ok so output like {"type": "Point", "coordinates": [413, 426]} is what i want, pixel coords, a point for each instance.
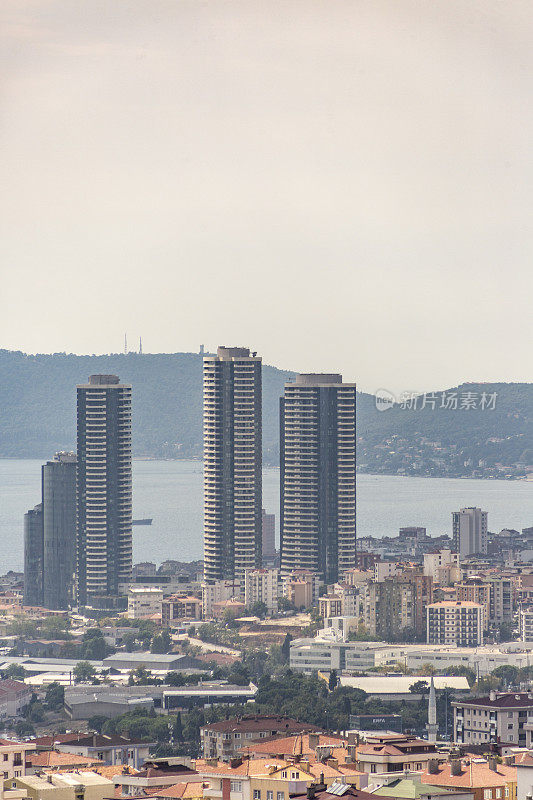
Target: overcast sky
{"type": "Point", "coordinates": [342, 186]}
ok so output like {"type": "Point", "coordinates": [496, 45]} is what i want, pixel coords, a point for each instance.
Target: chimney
{"type": "Point", "coordinates": [456, 767]}
{"type": "Point", "coordinates": [311, 789]}
{"type": "Point", "coordinates": [493, 764]}
{"type": "Point", "coordinates": [492, 695]}
{"type": "Point", "coordinates": [314, 739]}
{"type": "Point", "coordinates": [433, 766]}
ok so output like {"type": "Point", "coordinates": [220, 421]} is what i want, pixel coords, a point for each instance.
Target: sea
{"type": "Point", "coordinates": [170, 492]}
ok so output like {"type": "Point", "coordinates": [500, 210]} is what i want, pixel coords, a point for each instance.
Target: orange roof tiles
{"type": "Point", "coordinates": [474, 774]}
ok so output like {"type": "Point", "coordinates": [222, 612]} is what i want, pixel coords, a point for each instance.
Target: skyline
{"type": "Point", "coordinates": [359, 175]}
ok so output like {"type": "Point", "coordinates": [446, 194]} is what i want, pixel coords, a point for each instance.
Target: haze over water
{"type": "Point", "coordinates": [171, 493]}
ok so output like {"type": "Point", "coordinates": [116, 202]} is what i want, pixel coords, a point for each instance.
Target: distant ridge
{"type": "Point", "coordinates": [38, 416]}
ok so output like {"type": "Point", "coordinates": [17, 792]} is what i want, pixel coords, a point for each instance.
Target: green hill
{"type": "Point", "coordinates": [38, 416]}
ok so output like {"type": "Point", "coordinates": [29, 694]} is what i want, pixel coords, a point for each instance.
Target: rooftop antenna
{"type": "Point", "coordinates": [125, 344]}
{"type": "Point", "coordinates": [140, 346]}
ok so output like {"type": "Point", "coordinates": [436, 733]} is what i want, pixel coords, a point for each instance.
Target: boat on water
{"type": "Point", "coordinates": [147, 521]}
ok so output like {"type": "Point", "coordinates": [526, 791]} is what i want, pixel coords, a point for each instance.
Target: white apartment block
{"type": "Point", "coordinates": [525, 624]}
{"type": "Point", "coordinates": [145, 602]}
{"type": "Point", "coordinates": [262, 586]}
{"type": "Point", "coordinates": [455, 623]}
{"type": "Point", "coordinates": [385, 569]}
{"type": "Point", "coordinates": [219, 592]}
{"type": "Point", "coordinates": [440, 567]}
{"type": "Point", "coordinates": [501, 717]}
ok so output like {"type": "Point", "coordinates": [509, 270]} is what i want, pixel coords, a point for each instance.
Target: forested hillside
{"type": "Point", "coordinates": [38, 416]}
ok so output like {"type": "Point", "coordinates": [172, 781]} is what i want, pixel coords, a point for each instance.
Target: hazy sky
{"type": "Point", "coordinates": [342, 186]}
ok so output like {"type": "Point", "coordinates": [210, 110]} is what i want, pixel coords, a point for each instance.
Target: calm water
{"type": "Point", "coordinates": [171, 493]}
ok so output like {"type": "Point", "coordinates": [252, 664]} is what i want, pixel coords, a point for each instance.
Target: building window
{"type": "Point", "coordinates": [236, 786]}
{"type": "Point", "coordinates": [237, 736]}
{"type": "Point", "coordinates": [280, 796]}
{"type": "Point", "coordinates": [284, 773]}
{"type": "Point", "coordinates": [295, 776]}
{"type": "Point", "coordinates": [487, 794]}
{"type": "Point", "coordinates": [257, 794]}
{"type": "Point", "coordinates": [17, 759]}
{"type": "Point", "coordinates": [270, 795]}
{"type": "Point", "coordinates": [498, 792]}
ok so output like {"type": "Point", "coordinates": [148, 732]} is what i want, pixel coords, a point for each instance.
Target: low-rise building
{"type": "Point", "coordinates": [225, 739]}
{"type": "Point", "coordinates": [485, 778]}
{"type": "Point", "coordinates": [108, 749]}
{"type": "Point", "coordinates": [14, 696]}
{"type": "Point", "coordinates": [180, 608]}
{"type": "Point", "coordinates": [395, 752]}
{"type": "Point", "coordinates": [75, 785]}
{"type": "Point", "coordinates": [455, 622]}
{"type": "Point", "coordinates": [13, 757]}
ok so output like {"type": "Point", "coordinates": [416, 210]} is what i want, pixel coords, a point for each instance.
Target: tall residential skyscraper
{"type": "Point", "coordinates": [104, 540]}
{"type": "Point", "coordinates": [59, 530]}
{"type": "Point", "coordinates": [33, 556]}
{"type": "Point", "coordinates": [317, 476]}
{"type": "Point", "coordinates": [232, 463]}
{"type": "Point", "coordinates": [469, 531]}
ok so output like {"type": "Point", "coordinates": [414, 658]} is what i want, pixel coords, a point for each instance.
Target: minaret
{"type": "Point", "coordinates": [432, 727]}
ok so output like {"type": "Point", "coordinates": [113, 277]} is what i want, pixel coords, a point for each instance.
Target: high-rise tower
{"type": "Point", "coordinates": [59, 530]}
{"type": "Point", "coordinates": [317, 475]}
{"type": "Point", "coordinates": [33, 556]}
{"type": "Point", "coordinates": [104, 540]}
{"type": "Point", "coordinates": [469, 531]}
{"type": "Point", "coordinates": [232, 463]}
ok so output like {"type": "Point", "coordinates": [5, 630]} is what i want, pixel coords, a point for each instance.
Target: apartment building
{"type": "Point", "coordinates": [180, 608]}
{"type": "Point", "coordinates": [224, 740]}
{"type": "Point", "coordinates": [262, 586]}
{"type": "Point", "coordinates": [500, 717]}
{"type": "Point", "coordinates": [442, 567]}
{"type": "Point", "coordinates": [13, 757]}
{"type": "Point", "coordinates": [395, 752]}
{"type": "Point", "coordinates": [455, 623]}
{"type": "Point", "coordinates": [144, 602]}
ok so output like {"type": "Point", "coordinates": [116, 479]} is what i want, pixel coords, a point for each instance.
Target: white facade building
{"type": "Point", "coordinates": [219, 592]}
{"type": "Point", "coordinates": [455, 622]}
{"type": "Point", "coordinates": [145, 602]}
{"type": "Point", "coordinates": [262, 586]}
{"type": "Point", "coordinates": [439, 566]}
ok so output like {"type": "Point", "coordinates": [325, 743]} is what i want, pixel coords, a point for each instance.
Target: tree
{"type": "Point", "coordinates": [333, 680]}
{"type": "Point", "coordinates": [83, 672]}
{"type": "Point", "coordinates": [419, 687]}
{"type": "Point", "coordinates": [55, 696]}
{"type": "Point", "coordinates": [507, 673]}
{"type": "Point", "coordinates": [97, 722]}
{"type": "Point", "coordinates": [24, 728]}
{"type": "Point", "coordinates": [15, 671]}
{"type": "Point", "coordinates": [130, 642]}
{"type": "Point", "coordinates": [94, 646]}
{"type": "Point", "coordinates": [259, 609]}
{"type": "Point", "coordinates": [162, 642]}
{"type": "Point", "coordinates": [284, 604]}
{"type": "Point", "coordinates": [286, 648]}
